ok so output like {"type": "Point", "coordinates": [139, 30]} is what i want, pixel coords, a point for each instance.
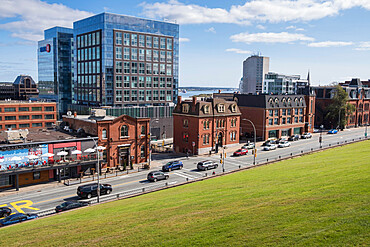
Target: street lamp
{"type": "Point", "coordinates": [254, 148]}
{"type": "Point", "coordinates": [320, 139]}
{"type": "Point", "coordinates": [150, 140]}
{"type": "Point", "coordinates": [98, 149]}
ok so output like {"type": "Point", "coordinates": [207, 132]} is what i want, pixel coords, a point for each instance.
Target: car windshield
{"type": "Point", "coordinates": [169, 163]}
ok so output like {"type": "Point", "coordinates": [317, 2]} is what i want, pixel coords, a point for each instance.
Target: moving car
{"type": "Point", "coordinates": [269, 147]}
{"type": "Point", "coordinates": [5, 211]}
{"type": "Point", "coordinates": [206, 165]}
{"type": "Point", "coordinates": [154, 176]}
{"type": "Point", "coordinates": [69, 205]}
{"type": "Point", "coordinates": [306, 136]}
{"type": "Point", "coordinates": [332, 131]}
{"type": "Point", "coordinates": [248, 146]}
{"type": "Point", "coordinates": [269, 142]}
{"type": "Point", "coordinates": [293, 138]}
{"type": "Point", "coordinates": [90, 190]}
{"type": "Point", "coordinates": [284, 144]}
{"type": "Point", "coordinates": [240, 152]}
{"type": "Point", "coordinates": [172, 166]}
{"type": "Point", "coordinates": [15, 218]}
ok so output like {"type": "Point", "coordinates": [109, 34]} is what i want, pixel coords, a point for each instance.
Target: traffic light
{"type": "Point", "coordinates": [225, 155]}
{"type": "Point", "coordinates": [221, 161]}
{"type": "Point", "coordinates": [220, 156]}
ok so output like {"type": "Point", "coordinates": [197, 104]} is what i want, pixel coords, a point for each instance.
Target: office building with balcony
{"type": "Point", "coordinates": [55, 65]}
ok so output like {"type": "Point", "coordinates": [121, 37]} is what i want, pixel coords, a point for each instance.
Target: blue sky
{"type": "Point", "coordinates": [330, 38]}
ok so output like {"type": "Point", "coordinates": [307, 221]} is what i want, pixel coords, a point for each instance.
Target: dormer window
{"type": "Point", "coordinates": [233, 108]}
{"type": "Point", "coordinates": [185, 108]}
{"type": "Point", "coordinates": [221, 108]}
{"type": "Point", "coordinates": [206, 109]}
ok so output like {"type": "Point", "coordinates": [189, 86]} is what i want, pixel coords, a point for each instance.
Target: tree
{"type": "Point", "coordinates": [338, 111]}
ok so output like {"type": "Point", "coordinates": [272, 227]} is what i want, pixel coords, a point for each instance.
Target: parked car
{"type": "Point", "coordinates": [15, 218]}
{"type": "Point", "coordinates": [293, 138]}
{"type": "Point", "coordinates": [240, 152]}
{"type": "Point", "coordinates": [70, 205]}
{"type": "Point", "coordinates": [173, 165]}
{"type": "Point", "coordinates": [248, 146]}
{"type": "Point", "coordinates": [154, 176]}
{"type": "Point", "coordinates": [5, 211]}
{"type": "Point", "coordinates": [206, 165]}
{"type": "Point", "coordinates": [269, 142]}
{"type": "Point", "coordinates": [332, 131]}
{"type": "Point", "coordinates": [306, 136]}
{"type": "Point", "coordinates": [284, 144]}
{"type": "Point", "coordinates": [269, 147]}
{"type": "Point", "coordinates": [90, 190]}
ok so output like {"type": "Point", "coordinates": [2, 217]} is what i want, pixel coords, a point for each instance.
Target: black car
{"type": "Point", "coordinates": [172, 166]}
{"type": "Point", "coordinates": [89, 190]}
{"type": "Point", "coordinates": [293, 138]}
{"type": "Point", "coordinates": [268, 142]}
{"type": "Point", "coordinates": [69, 205]}
{"type": "Point", "coordinates": [154, 176]}
{"type": "Point", "coordinates": [16, 218]}
{"type": "Point", "coordinates": [206, 165]}
{"type": "Point", "coordinates": [4, 211]}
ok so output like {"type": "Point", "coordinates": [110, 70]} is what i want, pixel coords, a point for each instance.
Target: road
{"type": "Point", "coordinates": [32, 202]}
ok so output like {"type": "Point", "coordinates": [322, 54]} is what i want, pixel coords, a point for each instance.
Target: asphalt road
{"type": "Point", "coordinates": [32, 202]}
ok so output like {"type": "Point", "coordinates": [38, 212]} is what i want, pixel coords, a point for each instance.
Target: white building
{"type": "Point", "coordinates": [254, 70]}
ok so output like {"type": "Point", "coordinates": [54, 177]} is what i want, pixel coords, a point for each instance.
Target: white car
{"type": "Point", "coordinates": [269, 147]}
{"type": "Point", "coordinates": [284, 144]}
{"type": "Point", "coordinates": [248, 146]}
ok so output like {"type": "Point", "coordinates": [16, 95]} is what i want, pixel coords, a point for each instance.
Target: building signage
{"type": "Point", "coordinates": [7, 160]}
{"type": "Point", "coordinates": [45, 48]}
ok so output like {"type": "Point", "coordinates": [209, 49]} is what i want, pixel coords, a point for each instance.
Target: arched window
{"type": "Point", "coordinates": [124, 131]}
{"type": "Point", "coordinates": [142, 151]}
{"type": "Point", "coordinates": [207, 124]}
{"type": "Point", "coordinates": [143, 130]}
{"type": "Point", "coordinates": [104, 134]}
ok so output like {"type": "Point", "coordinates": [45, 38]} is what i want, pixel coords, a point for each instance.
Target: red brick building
{"type": "Point", "coordinates": [204, 125]}
{"type": "Point", "coordinates": [359, 96]}
{"type": "Point", "coordinates": [126, 138]}
{"type": "Point", "coordinates": [24, 114]}
{"type": "Point", "coordinates": [274, 116]}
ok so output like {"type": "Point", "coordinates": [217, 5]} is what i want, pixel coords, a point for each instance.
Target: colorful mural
{"type": "Point", "coordinates": [18, 158]}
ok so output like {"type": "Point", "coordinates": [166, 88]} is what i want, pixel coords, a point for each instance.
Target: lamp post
{"type": "Point", "coordinates": [320, 139]}
{"type": "Point", "coordinates": [339, 118]}
{"type": "Point", "coordinates": [367, 122]}
{"type": "Point", "coordinates": [150, 140]}
{"type": "Point", "coordinates": [254, 148]}
{"type": "Point", "coordinates": [98, 149]}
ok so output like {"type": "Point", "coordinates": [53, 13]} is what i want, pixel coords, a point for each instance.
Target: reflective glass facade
{"type": "Point", "coordinates": [101, 81]}
{"type": "Point", "coordinates": [55, 63]}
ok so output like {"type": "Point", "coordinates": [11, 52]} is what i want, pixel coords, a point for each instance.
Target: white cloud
{"type": "Point", "coordinates": [363, 46]}
{"type": "Point", "coordinates": [330, 44]}
{"type": "Point", "coordinates": [254, 10]}
{"type": "Point", "coordinates": [29, 18]}
{"type": "Point", "coordinates": [211, 30]}
{"type": "Point", "coordinates": [291, 27]}
{"type": "Point", "coordinates": [182, 40]}
{"type": "Point", "coordinates": [282, 37]}
{"type": "Point", "coordinates": [300, 29]}
{"type": "Point", "coordinates": [238, 51]}
{"type": "Point", "coordinates": [261, 27]}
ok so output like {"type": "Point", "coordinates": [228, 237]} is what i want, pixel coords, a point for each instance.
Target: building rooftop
{"type": "Point", "coordinates": [89, 118]}
{"type": "Point", "coordinates": [7, 102]}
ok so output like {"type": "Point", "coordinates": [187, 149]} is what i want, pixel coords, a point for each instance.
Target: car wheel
{"type": "Point", "coordinates": [180, 167]}
{"type": "Point", "coordinates": [88, 196]}
{"type": "Point", "coordinates": [216, 166]}
{"type": "Point", "coordinates": [155, 180]}
{"type": "Point", "coordinates": [169, 169]}
{"type": "Point", "coordinates": [166, 177]}
{"type": "Point", "coordinates": [108, 192]}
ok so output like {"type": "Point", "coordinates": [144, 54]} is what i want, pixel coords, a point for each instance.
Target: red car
{"type": "Point", "coordinates": [240, 152]}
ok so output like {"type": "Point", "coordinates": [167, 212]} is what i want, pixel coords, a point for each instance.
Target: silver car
{"type": "Point", "coordinates": [284, 144]}
{"type": "Point", "coordinates": [269, 147]}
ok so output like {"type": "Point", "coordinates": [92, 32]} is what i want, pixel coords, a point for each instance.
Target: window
{"type": "Point", "coordinates": [206, 109]}
{"type": "Point", "coordinates": [118, 38]}
{"type": "Point", "coordinates": [143, 130]}
{"type": "Point", "coordinates": [141, 68]}
{"type": "Point", "coordinates": [119, 67]}
{"type": "Point", "coordinates": [276, 113]}
{"type": "Point", "coordinates": [296, 119]}
{"type": "Point", "coordinates": [289, 112]}
{"type": "Point", "coordinates": [118, 52]}
{"type": "Point", "coordinates": [141, 95]}
{"type": "Point", "coordinates": [155, 42]}
{"type": "Point", "coordinates": [148, 41]}
{"type": "Point", "coordinates": [271, 113]}
{"type": "Point", "coordinates": [155, 56]}
{"type": "Point", "coordinates": [221, 108]}
{"type": "Point", "coordinates": [283, 120]}
{"type": "Point", "coordinates": [270, 121]}
{"type": "Point", "coordinates": [23, 117]}
{"type": "Point", "coordinates": [162, 82]}
{"type": "Point", "coordinates": [10, 109]}
{"type": "Point", "coordinates": [155, 95]}
{"type": "Point", "coordinates": [185, 108]}
{"type": "Point", "coordinates": [36, 116]}
{"type": "Point", "coordinates": [296, 111]}
{"type": "Point", "coordinates": [162, 58]}
{"type": "Point", "coordinates": [142, 151]}
{"type": "Point", "coordinates": [141, 41]}
{"type": "Point", "coordinates": [36, 108]}
{"type": "Point", "coordinates": [119, 95]}
{"type": "Point", "coordinates": [148, 81]}
{"type": "Point", "coordinates": [185, 123]}
{"type": "Point", "coordinates": [134, 68]}
{"type": "Point", "coordinates": [149, 68]}
{"type": "Point", "coordinates": [155, 69]}
{"type": "Point", "coordinates": [169, 82]}
{"type": "Point", "coordinates": [301, 111]}
{"type": "Point", "coordinates": [163, 43]}
{"type": "Point", "coordinates": [24, 125]}
{"type": "Point", "coordinates": [148, 95]}
{"type": "Point", "coordinates": [289, 120]}
{"type": "Point", "coordinates": [141, 81]}
{"type": "Point", "coordinates": [10, 126]}
{"type": "Point", "coordinates": [118, 81]}
{"type": "Point", "coordinates": [126, 53]}
{"type": "Point", "coordinates": [169, 69]}
{"type": "Point", "coordinates": [126, 95]}
{"type": "Point", "coordinates": [126, 67]}
{"type": "Point", "coordinates": [301, 119]}
{"type": "Point", "coordinates": [205, 139]}
{"type": "Point", "coordinates": [49, 116]}
{"type": "Point", "coordinates": [134, 39]}
{"type": "Point", "coordinates": [155, 81]}
{"type": "Point", "coordinates": [124, 131]}
{"type": "Point", "coordinates": [25, 108]}
{"type": "Point", "coordinates": [134, 81]}
{"type": "Point", "coordinates": [141, 54]}
{"type": "Point", "coordinates": [133, 53]}
{"type": "Point", "coordinates": [148, 55]}
{"type": "Point", "coordinates": [134, 95]}
{"type": "Point", "coordinates": [169, 44]}
{"type": "Point", "coordinates": [9, 118]}
{"type": "Point", "coordinates": [36, 124]}
{"type": "Point", "coordinates": [284, 112]}
{"type": "Point", "coordinates": [169, 57]}
{"type": "Point", "coordinates": [233, 108]}
{"type": "Point", "coordinates": [104, 134]}
{"type": "Point", "coordinates": [233, 136]}
{"type": "Point", "coordinates": [126, 40]}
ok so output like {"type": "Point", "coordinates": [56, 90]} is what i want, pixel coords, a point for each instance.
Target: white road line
{"type": "Point", "coordinates": [193, 171]}
{"type": "Point", "coordinates": [184, 175]}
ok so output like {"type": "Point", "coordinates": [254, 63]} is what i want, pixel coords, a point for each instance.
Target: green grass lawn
{"type": "Point", "coordinates": [319, 199]}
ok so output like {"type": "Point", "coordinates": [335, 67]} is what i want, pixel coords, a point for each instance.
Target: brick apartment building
{"type": "Point", "coordinates": [204, 125]}
{"type": "Point", "coordinates": [126, 139]}
{"type": "Point", "coordinates": [274, 116]}
{"type": "Point", "coordinates": [359, 96]}
{"type": "Point", "coordinates": [25, 114]}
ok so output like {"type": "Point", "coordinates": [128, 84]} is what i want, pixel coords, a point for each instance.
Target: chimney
{"type": "Point", "coordinates": [179, 99]}
{"type": "Point", "coordinates": [219, 91]}
{"type": "Point", "coordinates": [194, 100]}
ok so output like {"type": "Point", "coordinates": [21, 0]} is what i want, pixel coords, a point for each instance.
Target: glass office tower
{"type": "Point", "coordinates": [55, 63]}
{"type": "Point", "coordinates": [125, 61]}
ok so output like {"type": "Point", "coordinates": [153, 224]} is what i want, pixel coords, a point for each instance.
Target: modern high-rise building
{"type": "Point", "coordinates": [275, 83]}
{"type": "Point", "coordinates": [254, 70]}
{"type": "Point", "coordinates": [125, 61]}
{"type": "Point", "coordinates": [55, 65]}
